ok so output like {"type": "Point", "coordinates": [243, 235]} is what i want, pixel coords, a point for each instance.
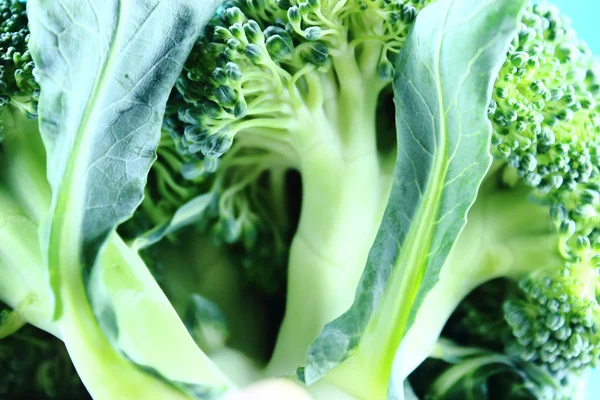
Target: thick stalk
{"type": "Point", "coordinates": [506, 236]}
{"type": "Point", "coordinates": [24, 201]}
{"type": "Point", "coordinates": [23, 274]}
{"type": "Point", "coordinates": [491, 246]}
{"type": "Point", "coordinates": [328, 254]}
{"type": "Point", "coordinates": [345, 190]}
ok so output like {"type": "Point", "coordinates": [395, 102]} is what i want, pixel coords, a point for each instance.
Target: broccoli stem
{"type": "Point", "coordinates": [23, 202]}
{"type": "Point", "coordinates": [345, 190]}
{"type": "Point", "coordinates": [23, 275]}
{"type": "Point", "coordinates": [503, 239]}
{"type": "Point", "coordinates": [327, 255]}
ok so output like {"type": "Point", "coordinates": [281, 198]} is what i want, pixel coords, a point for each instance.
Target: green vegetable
{"type": "Point", "coordinates": [379, 199]}
{"type": "Point", "coordinates": [84, 307]}
{"type": "Point", "coordinates": [428, 204]}
{"type": "Point", "coordinates": [17, 84]}
{"type": "Point", "coordinates": [550, 251]}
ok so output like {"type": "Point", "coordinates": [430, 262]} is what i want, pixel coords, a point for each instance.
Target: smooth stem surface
{"type": "Point", "coordinates": [506, 236]}
{"type": "Point", "coordinates": [503, 238]}
{"type": "Point", "coordinates": [23, 274]}
{"type": "Point", "coordinates": [345, 190]}
{"type": "Point", "coordinates": [24, 200]}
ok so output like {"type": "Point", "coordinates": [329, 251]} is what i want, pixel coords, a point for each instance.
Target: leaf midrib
{"type": "Point", "coordinates": [421, 238]}
{"type": "Point", "coordinates": [67, 206]}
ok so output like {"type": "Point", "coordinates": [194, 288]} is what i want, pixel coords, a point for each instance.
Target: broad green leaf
{"type": "Point", "coordinates": [443, 82]}
{"type": "Point", "coordinates": [106, 68]}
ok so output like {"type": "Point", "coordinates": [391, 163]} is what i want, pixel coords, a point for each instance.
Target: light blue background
{"type": "Point", "coordinates": [586, 20]}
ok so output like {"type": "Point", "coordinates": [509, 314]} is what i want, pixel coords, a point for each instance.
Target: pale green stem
{"type": "Point", "coordinates": [503, 238]}
{"type": "Point", "coordinates": [344, 195]}
{"type": "Point", "coordinates": [150, 332]}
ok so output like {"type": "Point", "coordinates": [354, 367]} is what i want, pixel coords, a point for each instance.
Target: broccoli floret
{"type": "Point", "coordinates": [535, 221]}
{"type": "Point", "coordinates": [254, 71]}
{"type": "Point", "coordinates": [556, 320]}
{"type": "Point", "coordinates": [242, 206]}
{"type": "Point", "coordinates": [17, 84]}
{"type": "Point", "coordinates": [466, 371]}
{"type": "Point", "coordinates": [549, 89]}
{"type": "Point", "coordinates": [544, 107]}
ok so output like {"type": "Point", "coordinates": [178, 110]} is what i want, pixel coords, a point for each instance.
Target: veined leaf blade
{"type": "Point", "coordinates": [443, 84]}
{"type": "Point", "coordinates": [106, 68]}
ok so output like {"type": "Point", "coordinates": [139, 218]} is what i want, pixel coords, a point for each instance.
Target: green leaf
{"type": "Point", "coordinates": [105, 71]}
{"type": "Point", "coordinates": [106, 68]}
{"type": "Point", "coordinates": [187, 214]}
{"type": "Point", "coordinates": [443, 84]}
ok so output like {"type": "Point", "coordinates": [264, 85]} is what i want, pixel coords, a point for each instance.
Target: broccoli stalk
{"type": "Point", "coordinates": [507, 236]}
{"type": "Point", "coordinates": [339, 218]}
{"type": "Point", "coordinates": [308, 92]}
{"type": "Point", "coordinates": [23, 202]}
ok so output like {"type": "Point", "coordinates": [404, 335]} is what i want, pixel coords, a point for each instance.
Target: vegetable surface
{"type": "Point", "coordinates": [377, 199]}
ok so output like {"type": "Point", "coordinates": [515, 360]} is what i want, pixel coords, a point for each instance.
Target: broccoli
{"type": "Point", "coordinates": [17, 84]}
{"type": "Point", "coordinates": [535, 220]}
{"type": "Point", "coordinates": [300, 83]}
{"type": "Point", "coordinates": [279, 86]}
{"type": "Point", "coordinates": [280, 144]}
